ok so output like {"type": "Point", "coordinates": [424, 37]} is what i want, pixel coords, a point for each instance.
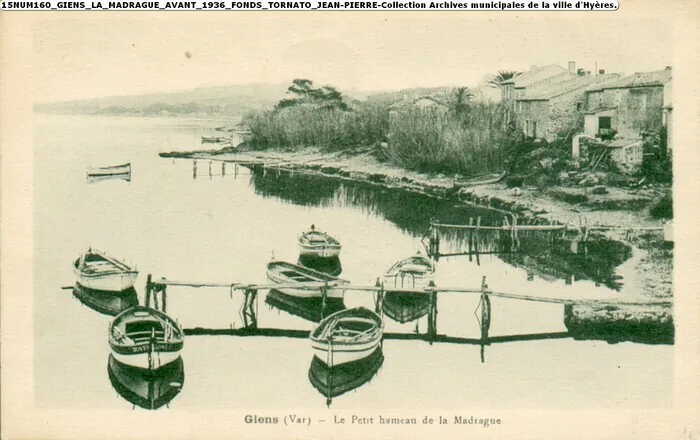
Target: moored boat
{"type": "Point", "coordinates": [281, 272]}
{"type": "Point", "coordinates": [119, 171]}
{"type": "Point", "coordinates": [318, 244]}
{"type": "Point", "coordinates": [334, 381]}
{"type": "Point", "coordinates": [145, 338]}
{"type": "Point", "coordinates": [214, 139]}
{"type": "Point", "coordinates": [106, 302]}
{"type": "Point", "coordinates": [147, 389]}
{"type": "Point", "coordinates": [414, 272]}
{"type": "Point", "coordinates": [347, 336]}
{"type": "Point", "coordinates": [98, 271]}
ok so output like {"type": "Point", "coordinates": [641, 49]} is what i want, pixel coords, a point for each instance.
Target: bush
{"type": "Point", "coordinates": [663, 208]}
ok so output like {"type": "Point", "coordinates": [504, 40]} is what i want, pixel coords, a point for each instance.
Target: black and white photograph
{"type": "Point", "coordinates": [339, 224]}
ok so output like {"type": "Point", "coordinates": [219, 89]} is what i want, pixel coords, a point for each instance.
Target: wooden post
{"type": "Point", "coordinates": [210, 169]}
{"type": "Point", "coordinates": [235, 170]}
{"type": "Point", "coordinates": [149, 286]}
{"type": "Point", "coordinates": [194, 169]}
{"type": "Point", "coordinates": [223, 168]}
{"type": "Point", "coordinates": [485, 316]}
{"type": "Point", "coordinates": [165, 298]}
{"type": "Point", "coordinates": [379, 303]}
{"type": "Point", "coordinates": [324, 295]}
{"type": "Point", "coordinates": [432, 315]}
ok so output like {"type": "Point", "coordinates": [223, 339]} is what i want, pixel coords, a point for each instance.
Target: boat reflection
{"type": "Point", "coordinates": [147, 389]}
{"type": "Point", "coordinates": [405, 307]}
{"type": "Point", "coordinates": [311, 309]}
{"type": "Point", "coordinates": [106, 302]}
{"type": "Point", "coordinates": [328, 265]}
{"type": "Point", "coordinates": [335, 381]}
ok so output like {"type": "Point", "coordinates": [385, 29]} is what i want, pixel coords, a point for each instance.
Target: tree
{"type": "Point", "coordinates": [302, 92]}
{"type": "Point", "coordinates": [501, 76]}
{"type": "Point", "coordinates": [301, 88]}
{"type": "Point", "coordinates": [461, 98]}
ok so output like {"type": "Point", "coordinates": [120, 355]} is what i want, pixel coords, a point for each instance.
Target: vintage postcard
{"type": "Point", "coordinates": [343, 224]}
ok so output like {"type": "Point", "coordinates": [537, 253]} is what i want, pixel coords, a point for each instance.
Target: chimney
{"type": "Point", "coordinates": [601, 72]}
{"type": "Point", "coordinates": [580, 72]}
{"type": "Point", "coordinates": [572, 66]}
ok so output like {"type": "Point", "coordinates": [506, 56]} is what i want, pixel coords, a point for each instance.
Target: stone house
{"type": "Point", "coordinates": [629, 106]}
{"type": "Point", "coordinates": [537, 76]}
{"type": "Point", "coordinates": [548, 110]}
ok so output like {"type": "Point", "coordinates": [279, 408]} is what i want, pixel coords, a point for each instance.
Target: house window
{"type": "Point", "coordinates": [579, 106]}
{"type": "Point", "coordinates": [605, 122]}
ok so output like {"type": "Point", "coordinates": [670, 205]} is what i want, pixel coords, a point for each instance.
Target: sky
{"type": "Point", "coordinates": [86, 55]}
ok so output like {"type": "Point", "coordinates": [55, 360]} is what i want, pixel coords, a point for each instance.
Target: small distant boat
{"type": "Point", "coordinates": [114, 171]}
{"type": "Point", "coordinates": [414, 272]}
{"type": "Point", "coordinates": [347, 336]}
{"type": "Point", "coordinates": [319, 244]}
{"type": "Point", "coordinates": [145, 338]}
{"type": "Point", "coordinates": [214, 139]}
{"type": "Point", "coordinates": [147, 389]}
{"type": "Point", "coordinates": [405, 307]}
{"type": "Point", "coordinates": [106, 302]}
{"type": "Point", "coordinates": [281, 272]}
{"type": "Point", "coordinates": [483, 179]}
{"type": "Point", "coordinates": [334, 381]}
{"type": "Point", "coordinates": [98, 271]}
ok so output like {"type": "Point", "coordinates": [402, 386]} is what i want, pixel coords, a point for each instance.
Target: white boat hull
{"type": "Point", "coordinates": [407, 281]}
{"type": "Point", "coordinates": [312, 293]}
{"type": "Point", "coordinates": [320, 251]}
{"type": "Point", "coordinates": [115, 282]}
{"type": "Point", "coordinates": [140, 360]}
{"type": "Point", "coordinates": [344, 353]}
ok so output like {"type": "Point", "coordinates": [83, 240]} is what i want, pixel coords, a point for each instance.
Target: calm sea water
{"type": "Point", "coordinates": [227, 228]}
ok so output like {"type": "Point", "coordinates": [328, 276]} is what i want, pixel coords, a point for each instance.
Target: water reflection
{"type": "Point", "coordinates": [311, 309]}
{"type": "Point", "coordinates": [105, 302]}
{"type": "Point", "coordinates": [551, 255]}
{"type": "Point", "coordinates": [101, 178]}
{"type": "Point", "coordinates": [149, 389]}
{"type": "Point", "coordinates": [329, 265]}
{"type": "Point", "coordinates": [334, 381]}
{"type": "Point", "coordinates": [406, 307]}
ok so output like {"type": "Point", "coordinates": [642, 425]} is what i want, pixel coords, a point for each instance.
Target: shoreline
{"type": "Point", "coordinates": [652, 269]}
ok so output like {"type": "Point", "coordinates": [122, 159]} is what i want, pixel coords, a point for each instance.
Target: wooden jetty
{"type": "Point", "coordinates": [250, 291]}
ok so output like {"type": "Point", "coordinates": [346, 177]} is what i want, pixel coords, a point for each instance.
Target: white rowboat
{"type": "Point", "coordinates": [319, 244]}
{"type": "Point", "coordinates": [347, 336]}
{"type": "Point", "coordinates": [414, 272]}
{"type": "Point", "coordinates": [98, 271]}
{"type": "Point", "coordinates": [281, 272]}
{"type": "Point", "coordinates": [145, 338]}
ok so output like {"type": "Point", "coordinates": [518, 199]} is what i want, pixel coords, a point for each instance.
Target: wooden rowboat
{"type": "Point", "coordinates": [115, 171]}
{"type": "Point", "coordinates": [281, 272]}
{"type": "Point", "coordinates": [147, 389]}
{"type": "Point", "coordinates": [347, 336]}
{"type": "Point", "coordinates": [145, 338]}
{"type": "Point", "coordinates": [414, 272]}
{"type": "Point", "coordinates": [318, 244]}
{"type": "Point", "coordinates": [98, 271]}
{"type": "Point", "coordinates": [214, 139]}
{"type": "Point", "coordinates": [483, 179]}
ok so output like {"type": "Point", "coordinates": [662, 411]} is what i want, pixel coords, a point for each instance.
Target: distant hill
{"type": "Point", "coordinates": [216, 100]}
{"type": "Point", "coordinates": [231, 100]}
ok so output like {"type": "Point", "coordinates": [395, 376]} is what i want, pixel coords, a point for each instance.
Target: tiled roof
{"type": "Point", "coordinates": [549, 91]}
{"type": "Point", "coordinates": [640, 79]}
{"type": "Point", "coordinates": [537, 74]}
{"type": "Point", "coordinates": [409, 102]}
